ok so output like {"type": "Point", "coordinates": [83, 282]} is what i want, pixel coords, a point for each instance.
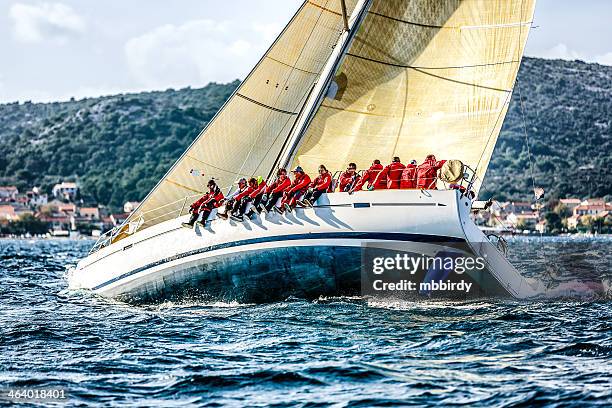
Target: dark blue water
{"type": "Point", "coordinates": [343, 351]}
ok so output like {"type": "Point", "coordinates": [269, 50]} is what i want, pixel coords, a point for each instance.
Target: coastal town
{"type": "Point", "coordinates": [65, 212]}
{"type": "Point", "coordinates": [61, 212]}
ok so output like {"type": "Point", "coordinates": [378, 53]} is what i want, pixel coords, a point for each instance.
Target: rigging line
{"type": "Point", "coordinates": [518, 84]}
{"type": "Point", "coordinates": [507, 101]}
{"type": "Point", "coordinates": [314, 27]}
{"type": "Point", "coordinates": [405, 108]}
{"type": "Point", "coordinates": [422, 71]}
{"type": "Point", "coordinates": [499, 115]}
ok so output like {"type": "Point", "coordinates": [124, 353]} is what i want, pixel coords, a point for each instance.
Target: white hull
{"type": "Point", "coordinates": [310, 252]}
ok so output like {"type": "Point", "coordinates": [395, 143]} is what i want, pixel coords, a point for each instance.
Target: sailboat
{"type": "Point", "coordinates": [345, 81]}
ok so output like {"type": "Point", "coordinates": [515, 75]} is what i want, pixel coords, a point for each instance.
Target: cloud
{"type": "Point", "coordinates": [561, 51]}
{"type": "Point", "coordinates": [197, 52]}
{"type": "Point", "coordinates": [604, 59]}
{"type": "Point", "coordinates": [55, 22]}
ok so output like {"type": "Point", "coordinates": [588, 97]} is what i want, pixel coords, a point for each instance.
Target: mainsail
{"type": "Point", "coordinates": [421, 76]}
{"type": "Point", "coordinates": [246, 136]}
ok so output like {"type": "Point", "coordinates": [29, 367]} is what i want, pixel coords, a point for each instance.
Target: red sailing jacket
{"type": "Point", "coordinates": [261, 188]}
{"type": "Point", "coordinates": [299, 184]}
{"type": "Point", "coordinates": [370, 176]}
{"type": "Point", "coordinates": [393, 172]}
{"type": "Point", "coordinates": [427, 173]}
{"type": "Point", "coordinates": [346, 179]}
{"type": "Point", "coordinates": [409, 177]}
{"type": "Point", "coordinates": [208, 197]}
{"type": "Point", "coordinates": [322, 182]}
{"type": "Point", "coordinates": [247, 191]}
{"type": "Point", "coordinates": [279, 186]}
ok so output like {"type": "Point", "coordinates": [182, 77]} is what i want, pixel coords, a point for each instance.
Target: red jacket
{"type": "Point", "coordinates": [299, 184]}
{"type": "Point", "coordinates": [346, 180]}
{"type": "Point", "coordinates": [427, 173]}
{"type": "Point", "coordinates": [279, 186]}
{"type": "Point", "coordinates": [322, 182]}
{"type": "Point", "coordinates": [370, 177]}
{"type": "Point", "coordinates": [261, 188]}
{"type": "Point", "coordinates": [247, 191]}
{"type": "Point", "coordinates": [409, 177]}
{"type": "Point", "coordinates": [216, 194]}
{"type": "Point", "coordinates": [393, 172]}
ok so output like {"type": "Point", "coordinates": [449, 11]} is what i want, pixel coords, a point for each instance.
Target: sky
{"type": "Point", "coordinates": [55, 50]}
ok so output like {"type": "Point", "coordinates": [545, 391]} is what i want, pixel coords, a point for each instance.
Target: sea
{"type": "Point", "coordinates": [555, 350]}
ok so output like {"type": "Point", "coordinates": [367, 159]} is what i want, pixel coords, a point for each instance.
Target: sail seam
{"type": "Point", "coordinates": [421, 70]}
{"type": "Point", "coordinates": [487, 26]}
{"type": "Point", "coordinates": [356, 111]}
{"type": "Point", "coordinates": [183, 186]}
{"type": "Point", "coordinates": [324, 8]}
{"type": "Point", "coordinates": [291, 66]}
{"type": "Point", "coordinates": [489, 64]}
{"type": "Point", "coordinates": [266, 106]}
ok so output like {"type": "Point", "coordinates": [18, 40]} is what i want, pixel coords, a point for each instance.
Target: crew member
{"type": "Point", "coordinates": [298, 187]}
{"type": "Point", "coordinates": [275, 190]}
{"type": "Point", "coordinates": [409, 176]}
{"type": "Point", "coordinates": [204, 206]}
{"type": "Point", "coordinates": [257, 196]}
{"type": "Point", "coordinates": [348, 178]}
{"type": "Point", "coordinates": [427, 173]}
{"type": "Point", "coordinates": [369, 176]}
{"type": "Point", "coordinates": [231, 204]}
{"type": "Point", "coordinates": [243, 199]}
{"type": "Point", "coordinates": [393, 172]}
{"type": "Point", "coordinates": [318, 186]}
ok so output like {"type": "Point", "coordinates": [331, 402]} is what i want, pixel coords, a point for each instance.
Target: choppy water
{"type": "Point", "coordinates": [342, 351]}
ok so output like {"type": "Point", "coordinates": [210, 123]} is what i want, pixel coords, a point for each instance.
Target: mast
{"type": "Point", "coordinates": [320, 88]}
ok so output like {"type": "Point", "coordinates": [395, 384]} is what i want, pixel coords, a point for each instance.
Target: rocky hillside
{"type": "Point", "coordinates": [119, 146]}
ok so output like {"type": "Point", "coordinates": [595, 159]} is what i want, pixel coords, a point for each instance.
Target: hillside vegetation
{"type": "Point", "coordinates": [117, 147]}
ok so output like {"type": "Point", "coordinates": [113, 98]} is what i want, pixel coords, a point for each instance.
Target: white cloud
{"type": "Point", "coordinates": [604, 59]}
{"type": "Point", "coordinates": [197, 52]}
{"type": "Point", "coordinates": [56, 22]}
{"type": "Point", "coordinates": [561, 51]}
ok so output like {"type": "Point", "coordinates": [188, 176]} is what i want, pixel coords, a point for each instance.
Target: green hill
{"type": "Point", "coordinates": [119, 146]}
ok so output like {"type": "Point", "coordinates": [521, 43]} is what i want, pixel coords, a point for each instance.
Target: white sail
{"type": "Point", "coordinates": [246, 136]}
{"type": "Point", "coordinates": [421, 77]}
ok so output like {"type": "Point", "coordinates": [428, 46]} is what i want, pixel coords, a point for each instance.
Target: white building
{"type": "Point", "coordinates": [8, 193]}
{"type": "Point", "coordinates": [130, 206]}
{"type": "Point", "coordinates": [65, 190]}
